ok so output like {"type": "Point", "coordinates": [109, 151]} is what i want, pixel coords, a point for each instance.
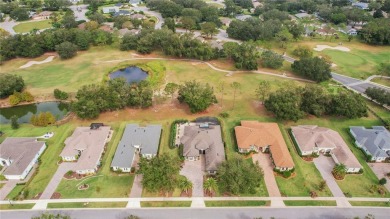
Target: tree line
{"type": "Point", "coordinates": [294, 103]}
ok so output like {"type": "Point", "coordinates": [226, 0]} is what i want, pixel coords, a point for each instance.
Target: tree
{"type": "Point", "coordinates": [382, 181]}
{"type": "Point", "coordinates": [91, 25]}
{"type": "Point", "coordinates": [51, 216]}
{"type": "Point", "coordinates": [275, 14]}
{"type": "Point", "coordinates": [188, 23]}
{"type": "Point", "coordinates": [55, 5]}
{"type": "Point", "coordinates": [339, 171]}
{"type": "Point", "coordinates": [296, 30]}
{"type": "Point", "coordinates": [303, 52]}
{"type": "Point", "coordinates": [376, 31]}
{"type": "Point", "coordinates": [236, 86]}
{"type": "Point", "coordinates": [98, 17]}
{"type": "Point", "coordinates": [231, 9]}
{"type": "Point", "coordinates": [315, 100]}
{"type": "Point", "coordinates": [271, 59]}
{"type": "Point", "coordinates": [347, 104]}
{"type": "Point", "coordinates": [60, 95]}
{"type": "Point", "coordinates": [238, 176]}
{"type": "Point", "coordinates": [263, 90]}
{"type": "Point", "coordinates": [315, 69]}
{"type": "Point", "coordinates": [159, 173]}
{"type": "Point", "coordinates": [378, 94]}
{"type": "Point", "coordinates": [209, 28]}
{"type": "Point", "coordinates": [245, 56]}
{"type": "Point", "coordinates": [4, 34]}
{"type": "Point", "coordinates": [69, 20]}
{"type": "Point", "coordinates": [120, 20]}
{"type": "Point", "coordinates": [285, 104]}
{"type": "Point", "coordinates": [171, 88]}
{"type": "Point", "coordinates": [378, 13]}
{"type": "Point", "coordinates": [14, 122]}
{"type": "Point", "coordinates": [384, 68]}
{"type": "Point", "coordinates": [9, 84]}
{"type": "Point", "coordinates": [198, 96]}
{"type": "Point", "coordinates": [129, 42]}
{"type": "Point", "coordinates": [184, 185]}
{"type": "Point", "coordinates": [19, 14]}
{"type": "Point", "coordinates": [66, 50]}
{"type": "Point", "coordinates": [170, 24]}
{"type": "Point", "coordinates": [210, 185]}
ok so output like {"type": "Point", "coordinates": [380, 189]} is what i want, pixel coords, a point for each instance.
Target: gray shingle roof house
{"type": "Point", "coordinates": [375, 141]}
{"type": "Point", "coordinates": [19, 155]}
{"type": "Point", "coordinates": [203, 138]}
{"type": "Point", "coordinates": [144, 140]}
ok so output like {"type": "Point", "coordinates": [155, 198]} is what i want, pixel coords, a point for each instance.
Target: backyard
{"type": "Point", "coordinates": [26, 27]}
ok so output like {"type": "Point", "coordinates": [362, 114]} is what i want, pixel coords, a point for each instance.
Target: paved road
{"type": "Point", "coordinates": [160, 19]}
{"type": "Point", "coordinates": [213, 213]}
{"type": "Point", "coordinates": [80, 15]}
{"type": "Point", "coordinates": [56, 179]}
{"type": "Point", "coordinates": [8, 25]}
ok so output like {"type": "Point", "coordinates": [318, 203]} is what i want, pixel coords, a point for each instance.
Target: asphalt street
{"type": "Point", "coordinates": [213, 213]}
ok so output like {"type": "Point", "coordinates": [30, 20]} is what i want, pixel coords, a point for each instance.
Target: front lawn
{"type": "Point", "coordinates": [368, 203]}
{"type": "Point", "coordinates": [310, 203]}
{"type": "Point", "coordinates": [49, 159]}
{"type": "Point", "coordinates": [159, 204]}
{"type": "Point", "coordinates": [236, 203]}
{"type": "Point", "coordinates": [87, 205]}
{"type": "Point", "coordinates": [26, 27]}
{"type": "Point", "coordinates": [16, 206]}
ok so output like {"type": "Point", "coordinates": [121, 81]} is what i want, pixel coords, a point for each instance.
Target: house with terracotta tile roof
{"type": "Point", "coordinates": [258, 136]}
{"type": "Point", "coordinates": [311, 139]}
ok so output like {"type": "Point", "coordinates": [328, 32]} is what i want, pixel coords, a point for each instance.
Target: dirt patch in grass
{"type": "Point", "coordinates": [56, 195]}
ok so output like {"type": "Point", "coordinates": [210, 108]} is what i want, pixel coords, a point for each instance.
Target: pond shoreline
{"type": "Point", "coordinates": [4, 103]}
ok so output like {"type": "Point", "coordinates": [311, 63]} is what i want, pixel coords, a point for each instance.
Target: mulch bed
{"type": "Point", "coordinates": [208, 194]}
{"type": "Point", "coordinates": [310, 159]}
{"type": "Point", "coordinates": [56, 195]}
{"type": "Point", "coordinates": [37, 196]}
{"type": "Point", "coordinates": [74, 175]}
{"type": "Point", "coordinates": [184, 194]}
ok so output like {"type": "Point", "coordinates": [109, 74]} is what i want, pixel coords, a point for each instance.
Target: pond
{"type": "Point", "coordinates": [131, 74]}
{"type": "Point", "coordinates": [25, 112]}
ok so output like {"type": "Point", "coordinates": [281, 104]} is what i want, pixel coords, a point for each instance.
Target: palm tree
{"type": "Point", "coordinates": [185, 185]}
{"type": "Point", "coordinates": [210, 185]}
{"type": "Point", "coordinates": [339, 171]}
{"type": "Point", "coordinates": [236, 86]}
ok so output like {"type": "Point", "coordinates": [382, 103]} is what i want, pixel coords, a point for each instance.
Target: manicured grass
{"type": "Point", "coordinates": [88, 205]}
{"type": "Point", "coordinates": [159, 204]}
{"type": "Point", "coordinates": [356, 185]}
{"type": "Point", "coordinates": [16, 206]}
{"type": "Point", "coordinates": [26, 27]}
{"type": "Point", "coordinates": [176, 193]}
{"type": "Point", "coordinates": [236, 203]}
{"type": "Point", "coordinates": [373, 204]}
{"type": "Point", "coordinates": [105, 183]}
{"type": "Point", "coordinates": [48, 165]}
{"type": "Point", "coordinates": [382, 81]}
{"type": "Point", "coordinates": [310, 203]}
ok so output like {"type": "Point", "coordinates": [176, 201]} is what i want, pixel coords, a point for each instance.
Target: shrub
{"type": "Point", "coordinates": [172, 135]}
{"type": "Point", "coordinates": [14, 100]}
{"type": "Point", "coordinates": [382, 181]}
{"type": "Point", "coordinates": [14, 122]}
{"type": "Point", "coordinates": [10, 84]}
{"type": "Point", "coordinates": [60, 95]}
{"type": "Point", "coordinates": [224, 115]}
{"type": "Point", "coordinates": [313, 194]}
{"type": "Point", "coordinates": [66, 50]}
{"type": "Point", "coordinates": [43, 119]}
{"type": "Point", "coordinates": [286, 174]}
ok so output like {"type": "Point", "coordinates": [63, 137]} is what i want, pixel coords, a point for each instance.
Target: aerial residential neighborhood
{"type": "Point", "coordinates": [250, 109]}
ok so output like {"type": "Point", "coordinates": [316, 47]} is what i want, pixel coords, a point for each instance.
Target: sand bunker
{"type": "Point", "coordinates": [322, 47]}
{"type": "Point", "coordinates": [31, 63]}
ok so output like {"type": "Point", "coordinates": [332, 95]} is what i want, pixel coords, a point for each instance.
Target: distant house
{"type": "Point", "coordinates": [44, 15]}
{"type": "Point", "coordinates": [361, 5]}
{"type": "Point", "coordinates": [125, 31]}
{"type": "Point", "coordinates": [137, 16]}
{"type": "Point", "coordinates": [374, 142]}
{"type": "Point", "coordinates": [242, 17]}
{"type": "Point", "coordinates": [113, 9]}
{"type": "Point", "coordinates": [134, 3]}
{"type": "Point", "coordinates": [203, 138]}
{"type": "Point", "coordinates": [312, 139]}
{"type": "Point", "coordinates": [18, 156]}
{"type": "Point", "coordinates": [136, 140]}
{"type": "Point", "coordinates": [226, 21]}
{"type": "Point", "coordinates": [256, 136]}
{"type": "Point", "coordinates": [86, 146]}
{"type": "Point", "coordinates": [122, 13]}
{"type": "Point", "coordinates": [325, 32]}
{"type": "Point", "coordinates": [302, 15]}
{"type": "Point", "coordinates": [106, 28]}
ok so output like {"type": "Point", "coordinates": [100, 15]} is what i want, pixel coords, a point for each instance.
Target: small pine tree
{"type": "Point", "coordinates": [14, 122]}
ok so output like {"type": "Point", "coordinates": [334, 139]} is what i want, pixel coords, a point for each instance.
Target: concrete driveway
{"type": "Point", "coordinates": [194, 171]}
{"type": "Point", "coordinates": [7, 188]}
{"type": "Point", "coordinates": [55, 181]}
{"type": "Point", "coordinates": [380, 170]}
{"type": "Point", "coordinates": [269, 178]}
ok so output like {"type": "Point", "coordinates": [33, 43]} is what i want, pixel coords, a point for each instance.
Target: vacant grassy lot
{"type": "Point", "coordinates": [373, 204]}
{"type": "Point", "coordinates": [88, 205]}
{"type": "Point", "coordinates": [49, 159]}
{"type": "Point", "coordinates": [236, 203]}
{"type": "Point", "coordinates": [310, 203]}
{"type": "Point", "coordinates": [159, 204]}
{"type": "Point", "coordinates": [26, 27]}
{"type": "Point", "coordinates": [105, 183]}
